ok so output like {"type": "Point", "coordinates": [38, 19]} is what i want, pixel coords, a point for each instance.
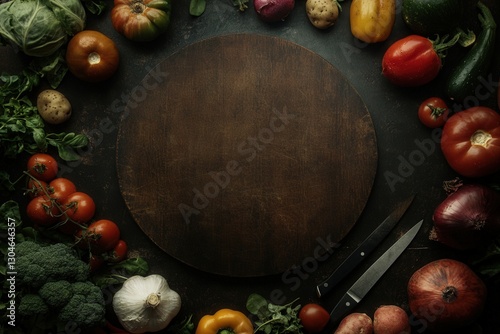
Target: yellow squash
{"type": "Point", "coordinates": [372, 20]}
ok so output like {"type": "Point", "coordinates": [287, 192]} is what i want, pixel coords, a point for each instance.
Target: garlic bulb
{"type": "Point", "coordinates": [146, 304]}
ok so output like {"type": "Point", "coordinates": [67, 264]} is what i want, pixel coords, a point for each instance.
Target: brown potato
{"type": "Point", "coordinates": [391, 319]}
{"type": "Point", "coordinates": [322, 13]}
{"type": "Point", "coordinates": [355, 323]}
{"type": "Point", "coordinates": [53, 106]}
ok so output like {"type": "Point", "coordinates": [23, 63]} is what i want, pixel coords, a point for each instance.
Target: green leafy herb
{"type": "Point", "coordinates": [118, 273]}
{"type": "Point", "coordinates": [21, 127]}
{"type": "Point", "coordinates": [274, 319]}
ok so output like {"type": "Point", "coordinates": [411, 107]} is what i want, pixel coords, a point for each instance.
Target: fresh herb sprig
{"type": "Point", "coordinates": [272, 318]}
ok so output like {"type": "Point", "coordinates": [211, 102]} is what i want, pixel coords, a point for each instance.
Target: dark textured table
{"type": "Point", "coordinates": [409, 158]}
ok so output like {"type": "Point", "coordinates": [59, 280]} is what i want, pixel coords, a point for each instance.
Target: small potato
{"type": "Point", "coordinates": [391, 319]}
{"type": "Point", "coordinates": [53, 106]}
{"type": "Point", "coordinates": [322, 13]}
{"type": "Point", "coordinates": [355, 323]}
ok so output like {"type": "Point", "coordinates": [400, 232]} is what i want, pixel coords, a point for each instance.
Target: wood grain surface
{"type": "Point", "coordinates": [243, 155]}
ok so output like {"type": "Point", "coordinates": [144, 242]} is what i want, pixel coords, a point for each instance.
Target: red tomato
{"type": "Point", "coordinates": [433, 112]}
{"type": "Point", "coordinates": [92, 56]}
{"type": "Point", "coordinates": [471, 142]}
{"type": "Point", "coordinates": [42, 211]}
{"type": "Point", "coordinates": [119, 252]}
{"type": "Point", "coordinates": [95, 262]}
{"type": "Point", "coordinates": [78, 208]}
{"type": "Point", "coordinates": [61, 188]}
{"type": "Point", "coordinates": [36, 188]}
{"type": "Point", "coordinates": [42, 166]}
{"type": "Point", "coordinates": [102, 236]}
{"type": "Point", "coordinates": [411, 61]}
{"type": "Point", "coordinates": [314, 318]}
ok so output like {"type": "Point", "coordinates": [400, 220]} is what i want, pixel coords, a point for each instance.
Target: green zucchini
{"type": "Point", "coordinates": [431, 17]}
{"type": "Point", "coordinates": [464, 78]}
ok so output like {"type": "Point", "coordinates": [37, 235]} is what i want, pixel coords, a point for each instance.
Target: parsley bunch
{"type": "Point", "coordinates": [274, 319]}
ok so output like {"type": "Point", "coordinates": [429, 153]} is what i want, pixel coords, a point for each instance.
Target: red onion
{"type": "Point", "coordinates": [273, 10]}
{"type": "Point", "coordinates": [446, 295]}
{"type": "Point", "coordinates": [467, 217]}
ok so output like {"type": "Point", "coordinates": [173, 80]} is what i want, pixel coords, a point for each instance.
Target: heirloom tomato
{"type": "Point", "coordinates": [92, 56]}
{"type": "Point", "coordinates": [414, 60]}
{"type": "Point", "coordinates": [141, 20]}
{"type": "Point", "coordinates": [471, 142]}
{"type": "Point", "coordinates": [433, 112]}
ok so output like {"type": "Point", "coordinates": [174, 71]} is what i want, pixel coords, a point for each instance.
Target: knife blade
{"type": "Point", "coordinates": [364, 284]}
{"type": "Point", "coordinates": [366, 247]}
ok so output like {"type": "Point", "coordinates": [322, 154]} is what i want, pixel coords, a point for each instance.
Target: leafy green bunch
{"type": "Point", "coordinates": [21, 127]}
{"type": "Point", "coordinates": [272, 318]}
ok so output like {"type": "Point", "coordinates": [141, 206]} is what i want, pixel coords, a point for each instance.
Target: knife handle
{"type": "Point", "coordinates": [345, 305]}
{"type": "Point", "coordinates": [344, 269]}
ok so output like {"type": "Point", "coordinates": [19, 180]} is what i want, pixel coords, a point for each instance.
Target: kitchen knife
{"type": "Point", "coordinates": [366, 247]}
{"type": "Point", "coordinates": [361, 287]}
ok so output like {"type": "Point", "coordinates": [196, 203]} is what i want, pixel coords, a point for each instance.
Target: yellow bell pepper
{"type": "Point", "coordinates": [225, 320]}
{"type": "Point", "coordinates": [372, 20]}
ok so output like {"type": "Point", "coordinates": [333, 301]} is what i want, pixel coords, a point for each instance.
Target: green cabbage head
{"type": "Point", "coordinates": [40, 27]}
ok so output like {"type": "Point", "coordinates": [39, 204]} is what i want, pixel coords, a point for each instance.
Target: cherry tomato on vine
{"type": "Point", "coordinates": [95, 262]}
{"type": "Point", "coordinates": [42, 166]}
{"type": "Point", "coordinates": [42, 212]}
{"type": "Point", "coordinates": [92, 56]}
{"type": "Point", "coordinates": [78, 209]}
{"type": "Point", "coordinates": [101, 236]}
{"type": "Point", "coordinates": [60, 188]}
{"type": "Point", "coordinates": [36, 188]}
{"type": "Point", "coordinates": [313, 317]}
{"type": "Point", "coordinates": [119, 252]}
{"type": "Point", "coordinates": [433, 112]}
{"type": "Point", "coordinates": [471, 142]}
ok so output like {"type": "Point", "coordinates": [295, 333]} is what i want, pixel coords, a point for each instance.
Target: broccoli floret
{"type": "Point", "coordinates": [56, 294]}
{"type": "Point", "coordinates": [31, 305]}
{"type": "Point", "coordinates": [86, 308]}
{"type": "Point", "coordinates": [37, 264]}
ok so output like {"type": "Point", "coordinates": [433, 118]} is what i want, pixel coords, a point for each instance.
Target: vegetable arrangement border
{"type": "Point", "coordinates": [67, 261]}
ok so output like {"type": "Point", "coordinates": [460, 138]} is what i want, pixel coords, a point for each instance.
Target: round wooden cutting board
{"type": "Point", "coordinates": [244, 155]}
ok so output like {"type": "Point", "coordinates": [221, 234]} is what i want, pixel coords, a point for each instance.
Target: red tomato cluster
{"type": "Point", "coordinates": [57, 204]}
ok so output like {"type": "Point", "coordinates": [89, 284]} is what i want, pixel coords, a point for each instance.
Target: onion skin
{"type": "Point", "coordinates": [273, 10]}
{"type": "Point", "coordinates": [446, 295]}
{"type": "Point", "coordinates": [467, 217]}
